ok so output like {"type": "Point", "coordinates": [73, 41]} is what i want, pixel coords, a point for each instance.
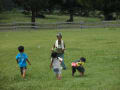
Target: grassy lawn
{"type": "Point", "coordinates": [101, 47]}
{"type": "Point", "coordinates": [8, 17]}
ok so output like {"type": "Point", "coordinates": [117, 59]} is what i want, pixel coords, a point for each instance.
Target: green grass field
{"type": "Point", "coordinates": [101, 47]}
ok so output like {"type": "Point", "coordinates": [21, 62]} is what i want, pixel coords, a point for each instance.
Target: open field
{"type": "Point", "coordinates": [101, 47]}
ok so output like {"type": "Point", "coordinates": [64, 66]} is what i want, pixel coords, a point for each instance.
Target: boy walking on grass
{"type": "Point", "coordinates": [21, 59]}
{"type": "Point", "coordinates": [56, 64]}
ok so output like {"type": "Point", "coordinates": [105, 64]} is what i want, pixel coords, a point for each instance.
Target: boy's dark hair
{"type": "Point", "coordinates": [54, 54]}
{"type": "Point", "coordinates": [83, 59]}
{"type": "Point", "coordinates": [21, 48]}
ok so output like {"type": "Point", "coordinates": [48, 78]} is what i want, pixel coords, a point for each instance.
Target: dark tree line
{"type": "Point", "coordinates": [106, 7]}
{"type": "Point", "coordinates": [33, 6]}
{"type": "Point", "coordinates": [6, 5]}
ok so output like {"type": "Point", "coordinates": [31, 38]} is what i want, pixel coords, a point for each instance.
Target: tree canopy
{"type": "Point", "coordinates": [83, 7]}
{"type": "Point", "coordinates": [32, 5]}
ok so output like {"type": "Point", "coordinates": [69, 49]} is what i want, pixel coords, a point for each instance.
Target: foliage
{"type": "Point", "coordinates": [107, 7]}
{"type": "Point", "coordinates": [73, 7]}
{"type": "Point", "coordinates": [32, 5]}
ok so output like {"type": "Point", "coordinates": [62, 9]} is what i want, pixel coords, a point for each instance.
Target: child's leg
{"type": "Point", "coordinates": [73, 70]}
{"type": "Point", "coordinates": [81, 73]}
{"type": "Point", "coordinates": [62, 63]}
{"type": "Point", "coordinates": [58, 73]}
{"type": "Point", "coordinates": [24, 72]}
{"type": "Point", "coordinates": [58, 76]}
{"type": "Point", "coordinates": [21, 70]}
{"type": "Point", "coordinates": [81, 70]}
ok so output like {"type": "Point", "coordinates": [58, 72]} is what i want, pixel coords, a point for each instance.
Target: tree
{"type": "Point", "coordinates": [32, 5]}
{"type": "Point", "coordinates": [54, 4]}
{"type": "Point", "coordinates": [85, 7]}
{"type": "Point", "coordinates": [6, 5]}
{"type": "Point", "coordinates": [1, 7]}
{"type": "Point", "coordinates": [107, 7]}
{"type": "Point", "coordinates": [65, 5]}
{"type": "Point", "coordinates": [69, 5]}
{"type": "Point", "coordinates": [72, 6]}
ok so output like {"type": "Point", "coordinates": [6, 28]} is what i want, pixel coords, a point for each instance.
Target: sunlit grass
{"type": "Point", "coordinates": [101, 47]}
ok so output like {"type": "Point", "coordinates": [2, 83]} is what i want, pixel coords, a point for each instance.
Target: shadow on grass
{"type": "Point", "coordinates": [51, 18]}
{"type": "Point", "coordinates": [111, 42]}
{"type": "Point", "coordinates": [18, 78]}
{"type": "Point", "coordinates": [46, 17]}
{"type": "Point", "coordinates": [78, 76]}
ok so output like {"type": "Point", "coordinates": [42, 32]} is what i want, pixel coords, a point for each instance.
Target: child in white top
{"type": "Point", "coordinates": [59, 47]}
{"type": "Point", "coordinates": [56, 65]}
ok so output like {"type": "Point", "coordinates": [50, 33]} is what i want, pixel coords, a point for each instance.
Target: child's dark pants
{"type": "Point", "coordinates": [80, 69]}
{"type": "Point", "coordinates": [21, 69]}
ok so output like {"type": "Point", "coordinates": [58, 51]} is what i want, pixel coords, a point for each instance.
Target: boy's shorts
{"type": "Point", "coordinates": [80, 69]}
{"type": "Point", "coordinates": [57, 70]}
{"type": "Point", "coordinates": [22, 68]}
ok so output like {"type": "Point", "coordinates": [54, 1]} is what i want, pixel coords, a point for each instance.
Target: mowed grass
{"type": "Point", "coordinates": [101, 47]}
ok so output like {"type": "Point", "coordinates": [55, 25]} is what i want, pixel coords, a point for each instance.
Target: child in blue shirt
{"type": "Point", "coordinates": [21, 59]}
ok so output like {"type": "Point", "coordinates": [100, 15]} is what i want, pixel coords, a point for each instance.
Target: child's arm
{"type": "Point", "coordinates": [60, 59]}
{"type": "Point", "coordinates": [17, 61]}
{"type": "Point", "coordinates": [64, 48]}
{"type": "Point", "coordinates": [51, 63]}
{"type": "Point", "coordinates": [53, 47]}
{"type": "Point", "coordinates": [28, 62]}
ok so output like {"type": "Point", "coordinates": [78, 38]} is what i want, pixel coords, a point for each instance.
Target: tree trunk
{"type": "Point", "coordinates": [33, 17]}
{"type": "Point", "coordinates": [71, 16]}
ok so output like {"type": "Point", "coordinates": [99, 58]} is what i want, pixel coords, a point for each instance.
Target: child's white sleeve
{"type": "Point", "coordinates": [60, 59]}
{"type": "Point", "coordinates": [51, 59]}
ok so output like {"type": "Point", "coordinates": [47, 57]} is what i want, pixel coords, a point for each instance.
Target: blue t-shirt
{"type": "Point", "coordinates": [22, 57]}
